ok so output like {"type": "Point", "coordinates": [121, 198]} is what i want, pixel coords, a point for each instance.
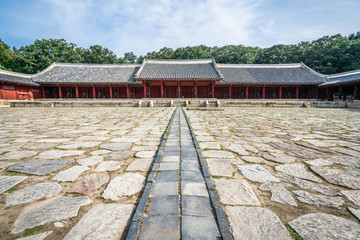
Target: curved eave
{"type": "Point", "coordinates": [20, 83]}
{"type": "Point", "coordinates": [338, 83]}
{"type": "Point", "coordinates": [267, 83]}
{"type": "Point", "coordinates": [89, 83]}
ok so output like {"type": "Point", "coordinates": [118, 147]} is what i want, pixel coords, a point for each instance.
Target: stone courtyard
{"type": "Point", "coordinates": [80, 173]}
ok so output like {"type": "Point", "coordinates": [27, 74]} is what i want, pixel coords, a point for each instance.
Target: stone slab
{"type": "Point", "coordinates": [7, 182]}
{"type": "Point", "coordinates": [70, 174]}
{"type": "Point", "coordinates": [236, 192]}
{"type": "Point", "coordinates": [89, 183]}
{"type": "Point", "coordinates": [164, 166]}
{"type": "Point", "coordinates": [90, 161]}
{"type": "Point", "coordinates": [52, 154]}
{"type": "Point", "coordinates": [209, 145]}
{"type": "Point", "coordinates": [217, 154]}
{"type": "Point", "coordinates": [5, 164]}
{"type": "Point", "coordinates": [279, 194]}
{"type": "Point", "coordinates": [114, 219]}
{"type": "Point", "coordinates": [145, 154]}
{"type": "Point", "coordinates": [346, 161]}
{"type": "Point", "coordinates": [168, 176]}
{"type": "Point", "coordinates": [165, 205]}
{"type": "Point", "coordinates": [352, 195]}
{"type": "Point", "coordinates": [39, 236]}
{"type": "Point", "coordinates": [194, 189]}
{"type": "Point", "coordinates": [120, 155]}
{"type": "Point", "coordinates": [33, 193]}
{"type": "Point", "coordinates": [355, 212]}
{"type": "Point", "coordinates": [220, 167]}
{"type": "Point", "coordinates": [142, 165]}
{"type": "Point", "coordinates": [196, 206]}
{"type": "Point", "coordinates": [116, 146]}
{"type": "Point", "coordinates": [160, 228]}
{"type": "Point", "coordinates": [256, 173]}
{"type": "Point", "coordinates": [297, 170]}
{"type": "Point", "coordinates": [318, 200]}
{"type": "Point", "coordinates": [315, 226]}
{"type": "Point", "coordinates": [278, 157]}
{"type": "Point", "coordinates": [165, 189]}
{"type": "Point", "coordinates": [346, 176]}
{"type": "Point", "coordinates": [124, 185]}
{"type": "Point", "coordinates": [108, 166]}
{"type": "Point", "coordinates": [198, 228]}
{"type": "Point", "coordinates": [250, 223]}
{"type": "Point", "coordinates": [237, 148]}
{"type": "Point", "coordinates": [51, 210]}
{"type": "Point", "coordinates": [306, 184]}
{"type": "Point", "coordinates": [254, 159]}
{"type": "Point", "coordinates": [17, 155]}
{"type": "Point", "coordinates": [78, 145]}
{"type": "Point", "coordinates": [43, 167]}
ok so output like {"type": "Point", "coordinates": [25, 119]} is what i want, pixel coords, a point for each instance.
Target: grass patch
{"type": "Point", "coordinates": [31, 231]}
{"type": "Point", "coordinates": [79, 148]}
{"type": "Point", "coordinates": [206, 149]}
{"type": "Point", "coordinates": [23, 158]}
{"type": "Point", "coordinates": [12, 189]}
{"type": "Point", "coordinates": [216, 176]}
{"type": "Point", "coordinates": [293, 234]}
{"type": "Point", "coordinates": [63, 149]}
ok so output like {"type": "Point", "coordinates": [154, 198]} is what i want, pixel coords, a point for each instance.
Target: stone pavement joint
{"type": "Point", "coordinates": [182, 197]}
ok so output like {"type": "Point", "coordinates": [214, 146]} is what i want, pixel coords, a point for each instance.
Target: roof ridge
{"type": "Point", "coordinates": [313, 71]}
{"type": "Point", "coordinates": [342, 74]}
{"type": "Point", "coordinates": [207, 60]}
{"type": "Point", "coordinates": [17, 74]}
{"type": "Point", "coordinates": [285, 65]}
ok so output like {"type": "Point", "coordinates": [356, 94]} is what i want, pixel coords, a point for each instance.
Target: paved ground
{"type": "Point", "coordinates": [71, 164]}
{"type": "Point", "coordinates": [275, 171]}
{"type": "Point", "coordinates": [274, 168]}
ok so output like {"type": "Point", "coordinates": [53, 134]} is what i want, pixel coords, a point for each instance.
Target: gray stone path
{"type": "Point", "coordinates": [179, 205]}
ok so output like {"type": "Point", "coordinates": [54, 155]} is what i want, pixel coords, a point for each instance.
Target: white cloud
{"type": "Point", "coordinates": [143, 26]}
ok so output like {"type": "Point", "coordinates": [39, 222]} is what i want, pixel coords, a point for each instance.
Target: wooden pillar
{"type": "Point", "coordinates": [280, 92]}
{"type": "Point", "coordinates": [94, 92]}
{"type": "Point", "coordinates": [127, 91]}
{"type": "Point", "coordinates": [60, 93]}
{"type": "Point", "coordinates": [327, 94]}
{"type": "Point", "coordinates": [297, 92]}
{"type": "Point", "coordinates": [229, 91]}
{"type": "Point", "coordinates": [43, 91]}
{"type": "Point", "coordinates": [339, 93]}
{"type": "Point", "coordinates": [247, 92]}
{"type": "Point", "coordinates": [263, 92]}
{"type": "Point", "coordinates": [316, 92]}
{"type": "Point", "coordinates": [213, 89]}
{"type": "Point", "coordinates": [77, 91]}
{"type": "Point", "coordinates": [355, 92]}
{"type": "Point", "coordinates": [162, 89]}
{"type": "Point", "coordinates": [195, 90]}
{"type": "Point", "coordinates": [144, 89]}
{"type": "Point", "coordinates": [111, 92]}
{"type": "Point", "coordinates": [179, 89]}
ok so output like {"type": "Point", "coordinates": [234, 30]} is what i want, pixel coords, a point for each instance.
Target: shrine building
{"type": "Point", "coordinates": [202, 78]}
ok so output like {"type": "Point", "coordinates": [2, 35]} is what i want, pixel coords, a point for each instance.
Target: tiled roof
{"type": "Point", "coordinates": [289, 74]}
{"type": "Point", "coordinates": [87, 73]}
{"type": "Point", "coordinates": [16, 78]}
{"type": "Point", "coordinates": [342, 78]}
{"type": "Point", "coordinates": [179, 69]}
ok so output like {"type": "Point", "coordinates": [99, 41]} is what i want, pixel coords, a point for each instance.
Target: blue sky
{"type": "Point", "coordinates": [147, 25]}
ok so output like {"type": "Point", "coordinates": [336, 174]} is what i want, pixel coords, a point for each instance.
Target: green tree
{"type": "Point", "coordinates": [129, 57]}
{"type": "Point", "coordinates": [6, 56]}
{"type": "Point", "coordinates": [98, 54]}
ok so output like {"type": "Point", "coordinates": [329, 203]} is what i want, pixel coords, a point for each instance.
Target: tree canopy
{"type": "Point", "coordinates": [328, 55]}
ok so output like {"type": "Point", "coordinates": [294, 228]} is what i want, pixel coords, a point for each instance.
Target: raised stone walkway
{"type": "Point", "coordinates": [179, 206]}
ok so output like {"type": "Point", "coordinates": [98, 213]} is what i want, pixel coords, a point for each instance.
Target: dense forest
{"type": "Point", "coordinates": [329, 54]}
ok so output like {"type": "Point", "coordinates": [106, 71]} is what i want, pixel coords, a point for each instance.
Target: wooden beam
{"type": "Point", "coordinates": [93, 91]}
{"type": "Point", "coordinates": [196, 89]}
{"type": "Point", "coordinates": [178, 89]}
{"type": "Point", "coordinates": [127, 91]}
{"type": "Point", "coordinates": [213, 89]}
{"type": "Point", "coordinates": [111, 92]}
{"type": "Point", "coordinates": [247, 92]}
{"type": "Point", "coordinates": [355, 92]}
{"type": "Point", "coordinates": [144, 89]}
{"type": "Point", "coordinates": [43, 91]}
{"type": "Point", "coordinates": [339, 93]}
